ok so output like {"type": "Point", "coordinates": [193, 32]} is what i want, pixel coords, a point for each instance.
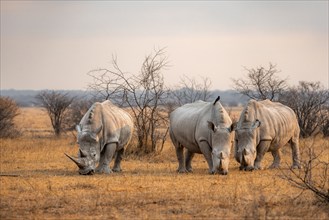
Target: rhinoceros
{"type": "Point", "coordinates": [265, 126]}
{"type": "Point", "coordinates": [103, 133]}
{"type": "Point", "coordinates": [202, 127]}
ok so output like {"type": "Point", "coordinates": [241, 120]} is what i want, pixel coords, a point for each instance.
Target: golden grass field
{"type": "Point", "coordinates": [38, 182]}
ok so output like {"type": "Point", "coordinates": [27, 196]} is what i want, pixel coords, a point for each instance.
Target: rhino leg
{"type": "Point", "coordinates": [277, 158]}
{"type": "Point", "coordinates": [117, 162]}
{"type": "Point", "coordinates": [188, 159]}
{"type": "Point", "coordinates": [262, 148]}
{"type": "Point", "coordinates": [180, 158]}
{"type": "Point", "coordinates": [106, 158]}
{"type": "Point", "coordinates": [206, 151]}
{"type": "Point", "coordinates": [294, 143]}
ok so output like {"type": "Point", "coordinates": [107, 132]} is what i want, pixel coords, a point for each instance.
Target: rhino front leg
{"type": "Point", "coordinates": [262, 148]}
{"type": "Point", "coordinates": [117, 162]}
{"type": "Point", "coordinates": [106, 158]}
{"type": "Point", "coordinates": [206, 151]}
{"type": "Point", "coordinates": [188, 159]}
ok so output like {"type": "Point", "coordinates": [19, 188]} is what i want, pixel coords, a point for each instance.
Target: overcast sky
{"type": "Point", "coordinates": [53, 44]}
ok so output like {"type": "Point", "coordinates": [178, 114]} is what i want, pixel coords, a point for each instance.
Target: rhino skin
{"type": "Point", "coordinates": [202, 127]}
{"type": "Point", "coordinates": [265, 126]}
{"type": "Point", "coordinates": [103, 133]}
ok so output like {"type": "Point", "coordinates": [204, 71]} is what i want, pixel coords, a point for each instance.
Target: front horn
{"type": "Point", "coordinates": [77, 161]}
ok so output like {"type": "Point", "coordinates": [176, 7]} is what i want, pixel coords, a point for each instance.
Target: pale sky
{"type": "Point", "coordinates": [53, 44]}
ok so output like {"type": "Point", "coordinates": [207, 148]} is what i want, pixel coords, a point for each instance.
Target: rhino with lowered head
{"type": "Point", "coordinates": [265, 126]}
{"type": "Point", "coordinates": [103, 133]}
{"type": "Point", "coordinates": [202, 127]}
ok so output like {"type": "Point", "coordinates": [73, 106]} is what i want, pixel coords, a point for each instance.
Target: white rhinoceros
{"type": "Point", "coordinates": [103, 133]}
{"type": "Point", "coordinates": [265, 126]}
{"type": "Point", "coordinates": [202, 127]}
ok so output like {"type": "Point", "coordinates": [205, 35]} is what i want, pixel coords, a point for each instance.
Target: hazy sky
{"type": "Point", "coordinates": [53, 44]}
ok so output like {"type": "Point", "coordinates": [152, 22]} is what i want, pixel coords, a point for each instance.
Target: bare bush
{"type": "Point", "coordinates": [261, 83]}
{"type": "Point", "coordinates": [190, 90]}
{"type": "Point", "coordinates": [307, 179]}
{"type": "Point", "coordinates": [56, 105]}
{"type": "Point", "coordinates": [75, 112]}
{"type": "Point", "coordinates": [8, 111]}
{"type": "Point", "coordinates": [325, 124]}
{"type": "Point", "coordinates": [143, 93]}
{"type": "Point", "coordinates": [310, 102]}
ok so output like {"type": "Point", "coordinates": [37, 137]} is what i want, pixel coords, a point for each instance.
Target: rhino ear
{"type": "Point", "coordinates": [211, 126]}
{"type": "Point", "coordinates": [78, 127]}
{"type": "Point", "coordinates": [256, 124]}
{"type": "Point", "coordinates": [218, 98]}
{"type": "Point", "coordinates": [233, 127]}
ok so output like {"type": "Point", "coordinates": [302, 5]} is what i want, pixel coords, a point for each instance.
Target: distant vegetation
{"type": "Point", "coordinates": [8, 112]}
{"type": "Point", "coordinates": [26, 98]}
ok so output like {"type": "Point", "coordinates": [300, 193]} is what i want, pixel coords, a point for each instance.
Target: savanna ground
{"type": "Point", "coordinates": [39, 182]}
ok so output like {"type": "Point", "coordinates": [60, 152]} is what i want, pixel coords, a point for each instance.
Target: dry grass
{"type": "Point", "coordinates": [38, 182]}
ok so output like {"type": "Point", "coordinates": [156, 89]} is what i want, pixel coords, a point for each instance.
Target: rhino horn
{"type": "Point", "coordinates": [77, 161]}
{"type": "Point", "coordinates": [218, 98]}
{"type": "Point", "coordinates": [82, 153]}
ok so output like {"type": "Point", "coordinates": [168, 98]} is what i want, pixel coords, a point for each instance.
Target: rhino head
{"type": "Point", "coordinates": [245, 145]}
{"type": "Point", "coordinates": [221, 147]}
{"type": "Point", "coordinates": [89, 150]}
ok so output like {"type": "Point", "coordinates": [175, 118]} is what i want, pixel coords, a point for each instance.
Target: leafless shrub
{"type": "Point", "coordinates": [75, 112]}
{"type": "Point", "coordinates": [261, 83]}
{"type": "Point", "coordinates": [8, 111]}
{"type": "Point", "coordinates": [56, 105]}
{"type": "Point", "coordinates": [310, 101]}
{"type": "Point", "coordinates": [325, 123]}
{"type": "Point", "coordinates": [142, 93]}
{"type": "Point", "coordinates": [307, 179]}
{"type": "Point", "coordinates": [190, 90]}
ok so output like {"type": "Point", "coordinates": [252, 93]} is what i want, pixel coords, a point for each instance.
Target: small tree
{"type": "Point", "coordinates": [189, 90]}
{"type": "Point", "coordinates": [261, 83]}
{"type": "Point", "coordinates": [8, 111]}
{"type": "Point", "coordinates": [310, 102]}
{"type": "Point", "coordinates": [56, 104]}
{"type": "Point", "coordinates": [143, 93]}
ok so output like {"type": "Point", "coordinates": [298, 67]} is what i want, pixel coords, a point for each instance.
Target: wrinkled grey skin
{"type": "Point", "coordinates": [202, 127]}
{"type": "Point", "coordinates": [265, 126]}
{"type": "Point", "coordinates": [103, 133]}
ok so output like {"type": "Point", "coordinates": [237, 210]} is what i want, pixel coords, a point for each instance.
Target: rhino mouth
{"type": "Point", "coordinates": [87, 171]}
{"type": "Point", "coordinates": [220, 171]}
{"type": "Point", "coordinates": [246, 168]}
{"type": "Point", "coordinates": [84, 169]}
